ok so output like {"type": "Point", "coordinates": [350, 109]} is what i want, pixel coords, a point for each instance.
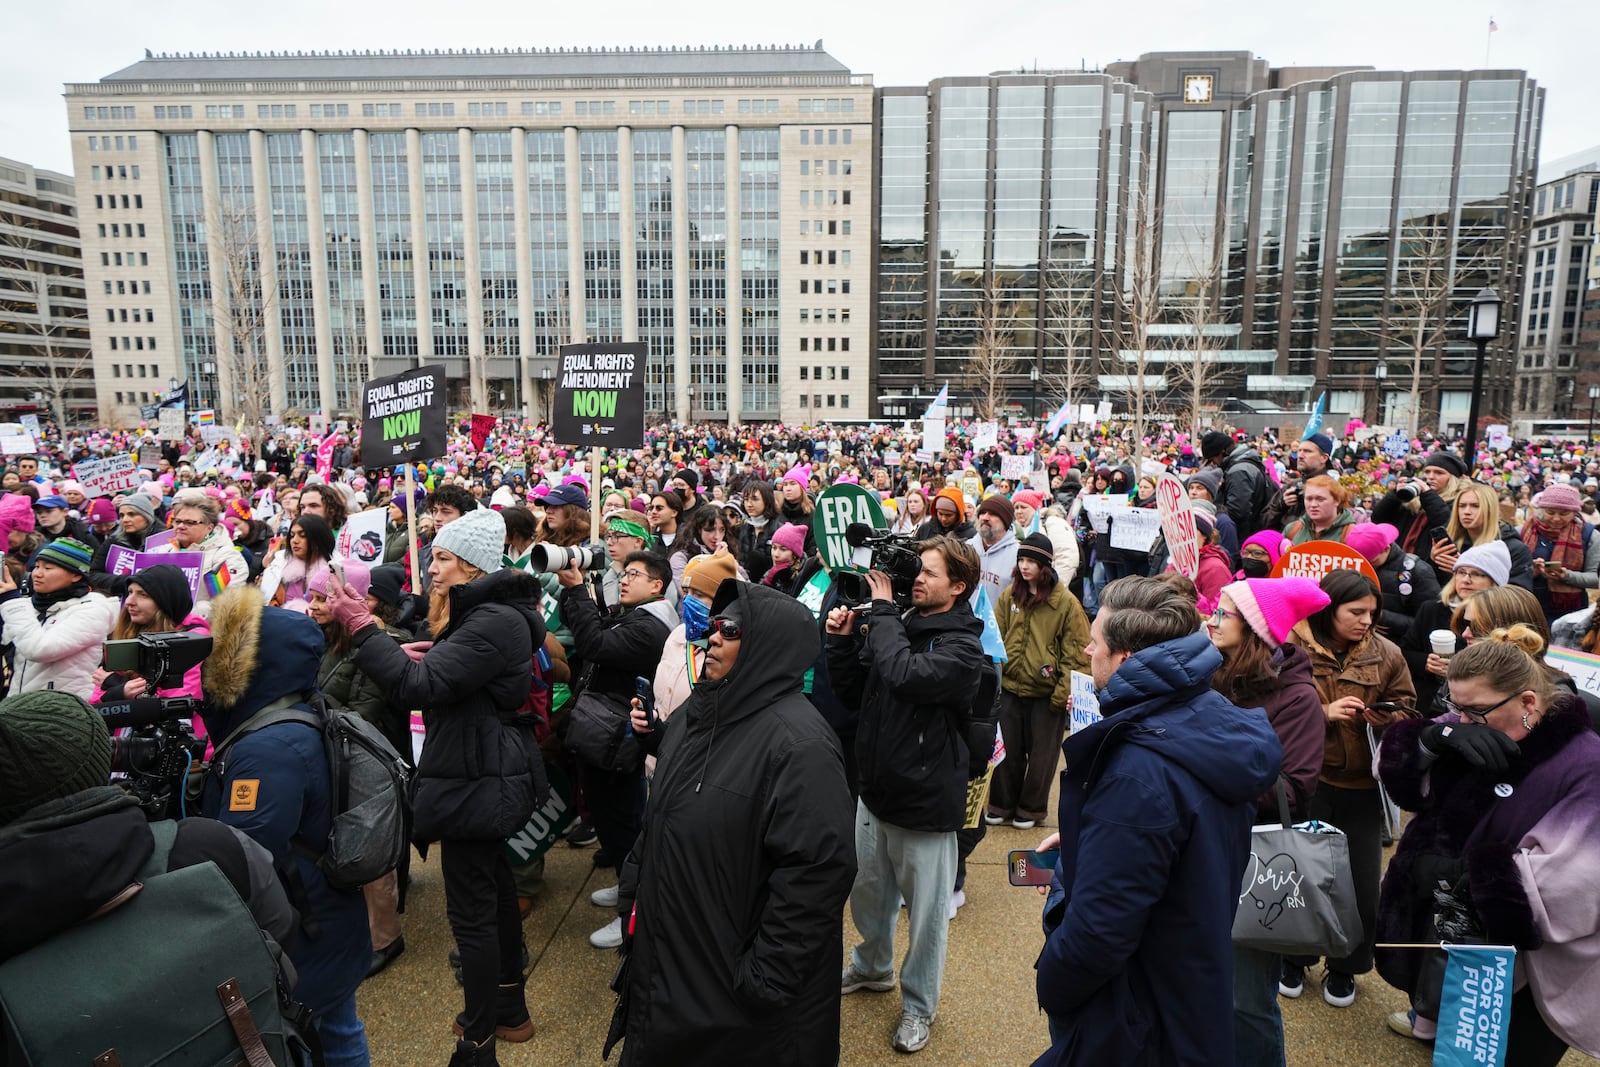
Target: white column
{"type": "Point", "coordinates": [367, 221]}
{"type": "Point", "coordinates": [477, 355]}
{"type": "Point", "coordinates": [519, 202]}
{"type": "Point", "coordinates": [221, 306]}
{"type": "Point", "coordinates": [680, 273]}
{"type": "Point", "coordinates": [419, 247]}
{"type": "Point", "coordinates": [577, 330]}
{"type": "Point", "coordinates": [266, 249]}
{"type": "Point", "coordinates": [322, 310]}
{"type": "Point", "coordinates": [628, 224]}
{"type": "Point", "coordinates": [734, 264]}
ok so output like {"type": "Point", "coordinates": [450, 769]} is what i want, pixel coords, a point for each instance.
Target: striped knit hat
{"type": "Point", "coordinates": [68, 554]}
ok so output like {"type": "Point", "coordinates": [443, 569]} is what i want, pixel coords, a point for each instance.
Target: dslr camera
{"type": "Point", "coordinates": [895, 555]}
{"type": "Point", "coordinates": [157, 754]}
{"type": "Point", "coordinates": [547, 559]}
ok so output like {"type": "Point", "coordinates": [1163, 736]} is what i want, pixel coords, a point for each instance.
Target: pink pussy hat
{"type": "Point", "coordinates": [1274, 606]}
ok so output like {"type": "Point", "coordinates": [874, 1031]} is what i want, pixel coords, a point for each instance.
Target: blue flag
{"type": "Point", "coordinates": [1059, 419]}
{"type": "Point", "coordinates": [1314, 423]}
{"type": "Point", "coordinates": [994, 646]}
{"type": "Point", "coordinates": [1475, 1006]}
{"type": "Point", "coordinates": [940, 405]}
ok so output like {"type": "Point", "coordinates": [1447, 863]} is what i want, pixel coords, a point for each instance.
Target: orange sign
{"type": "Point", "coordinates": [1316, 558]}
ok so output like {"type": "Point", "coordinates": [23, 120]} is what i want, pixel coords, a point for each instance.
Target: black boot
{"type": "Point", "coordinates": [469, 1055]}
{"type": "Point", "coordinates": [511, 1020]}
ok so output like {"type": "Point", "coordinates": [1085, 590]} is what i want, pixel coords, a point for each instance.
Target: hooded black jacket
{"type": "Point", "coordinates": [481, 769]}
{"type": "Point", "coordinates": [914, 679]}
{"type": "Point", "coordinates": [745, 863]}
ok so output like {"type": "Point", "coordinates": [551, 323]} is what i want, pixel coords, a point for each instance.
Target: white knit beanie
{"type": "Point", "coordinates": [479, 537]}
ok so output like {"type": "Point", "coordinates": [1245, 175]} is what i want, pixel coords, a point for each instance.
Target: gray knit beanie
{"type": "Point", "coordinates": [52, 745]}
{"type": "Point", "coordinates": [479, 537]}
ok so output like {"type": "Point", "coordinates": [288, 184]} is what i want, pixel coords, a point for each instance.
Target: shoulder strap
{"type": "Point", "coordinates": [267, 716]}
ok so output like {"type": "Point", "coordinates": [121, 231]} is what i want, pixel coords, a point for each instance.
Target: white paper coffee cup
{"type": "Point", "coordinates": [1443, 642]}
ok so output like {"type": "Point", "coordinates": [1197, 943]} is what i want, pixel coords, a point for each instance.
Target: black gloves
{"type": "Point", "coordinates": [1483, 747]}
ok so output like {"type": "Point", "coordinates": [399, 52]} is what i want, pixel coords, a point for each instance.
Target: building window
{"type": "Point", "coordinates": [805, 401]}
{"type": "Point", "coordinates": [830, 400]}
{"type": "Point", "coordinates": [802, 369]}
{"type": "Point", "coordinates": [844, 372]}
{"type": "Point", "coordinates": [844, 400]}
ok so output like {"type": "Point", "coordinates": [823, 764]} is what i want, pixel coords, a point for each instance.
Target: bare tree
{"type": "Point", "coordinates": [246, 305]}
{"type": "Point", "coordinates": [1138, 306]}
{"type": "Point", "coordinates": [993, 360]}
{"type": "Point", "coordinates": [1069, 332]}
{"type": "Point", "coordinates": [1196, 371]}
{"type": "Point", "coordinates": [29, 314]}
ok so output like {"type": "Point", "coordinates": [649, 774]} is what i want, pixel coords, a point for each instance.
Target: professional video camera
{"type": "Point", "coordinates": [157, 754]}
{"type": "Point", "coordinates": [895, 555]}
{"type": "Point", "coordinates": [547, 559]}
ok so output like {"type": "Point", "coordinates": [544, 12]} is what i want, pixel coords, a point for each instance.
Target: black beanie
{"type": "Point", "coordinates": [169, 588]}
{"type": "Point", "coordinates": [688, 474]}
{"type": "Point", "coordinates": [388, 583]}
{"type": "Point", "coordinates": [1215, 444]}
{"type": "Point", "coordinates": [1037, 547]}
{"type": "Point", "coordinates": [1446, 461]}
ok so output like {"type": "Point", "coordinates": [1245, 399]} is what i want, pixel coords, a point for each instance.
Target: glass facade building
{"type": "Point", "coordinates": [1301, 227]}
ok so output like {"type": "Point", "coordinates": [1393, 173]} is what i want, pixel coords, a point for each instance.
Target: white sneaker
{"type": "Point", "coordinates": [604, 898]}
{"type": "Point", "coordinates": [1022, 824]}
{"type": "Point", "coordinates": [957, 899]}
{"type": "Point", "coordinates": [993, 820]}
{"type": "Point", "coordinates": [609, 935]}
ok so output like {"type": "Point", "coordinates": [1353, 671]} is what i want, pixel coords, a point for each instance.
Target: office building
{"type": "Point", "coordinates": [45, 368]}
{"type": "Point", "coordinates": [1556, 281]}
{"type": "Point", "coordinates": [480, 208]}
{"type": "Point", "coordinates": [1298, 227]}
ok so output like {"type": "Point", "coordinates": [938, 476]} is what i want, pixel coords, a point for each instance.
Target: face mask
{"type": "Point", "coordinates": [696, 618]}
{"type": "Point", "coordinates": [1255, 568]}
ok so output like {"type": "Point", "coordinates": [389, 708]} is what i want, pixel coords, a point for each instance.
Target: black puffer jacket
{"type": "Point", "coordinates": [480, 770]}
{"type": "Point", "coordinates": [620, 647]}
{"type": "Point", "coordinates": [746, 861]}
{"type": "Point", "coordinates": [914, 680]}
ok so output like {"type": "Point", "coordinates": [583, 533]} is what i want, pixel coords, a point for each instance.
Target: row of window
{"type": "Point", "coordinates": [807, 257]}
{"type": "Point", "coordinates": [1574, 276]}
{"type": "Point", "coordinates": [146, 370]}
{"type": "Point", "coordinates": [834, 228]}
{"type": "Point", "coordinates": [134, 344]}
{"type": "Point", "coordinates": [127, 112]}
{"type": "Point", "coordinates": [119, 171]}
{"type": "Point", "coordinates": [833, 104]}
{"type": "Point", "coordinates": [146, 315]}
{"type": "Point", "coordinates": [758, 107]}
{"type": "Point", "coordinates": [809, 136]}
{"type": "Point", "coordinates": [835, 344]}
{"type": "Point", "coordinates": [117, 229]}
{"type": "Point", "coordinates": [1552, 256]}
{"type": "Point", "coordinates": [144, 398]}
{"type": "Point", "coordinates": [816, 400]}
{"type": "Point", "coordinates": [834, 373]}
{"type": "Point", "coordinates": [834, 166]}
{"type": "Point", "coordinates": [836, 286]}
{"type": "Point", "coordinates": [815, 198]}
{"type": "Point", "coordinates": [224, 111]}
{"type": "Point", "coordinates": [816, 314]}
{"type": "Point", "coordinates": [126, 288]}
{"type": "Point", "coordinates": [114, 259]}
{"type": "Point", "coordinates": [106, 143]}
{"type": "Point", "coordinates": [102, 200]}
{"type": "Point", "coordinates": [177, 111]}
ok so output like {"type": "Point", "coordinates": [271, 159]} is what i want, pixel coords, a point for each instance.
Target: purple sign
{"type": "Point", "coordinates": [120, 559]}
{"type": "Point", "coordinates": [156, 540]}
{"type": "Point", "coordinates": [188, 562]}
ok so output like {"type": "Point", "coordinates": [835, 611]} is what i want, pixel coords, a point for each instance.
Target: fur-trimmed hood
{"type": "Point", "coordinates": [236, 678]}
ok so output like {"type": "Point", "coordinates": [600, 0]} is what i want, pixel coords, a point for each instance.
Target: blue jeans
{"type": "Point", "coordinates": [1257, 1022]}
{"type": "Point", "coordinates": [891, 862]}
{"type": "Point", "coordinates": [344, 1039]}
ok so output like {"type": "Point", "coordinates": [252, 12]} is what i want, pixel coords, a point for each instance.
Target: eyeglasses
{"type": "Point", "coordinates": [631, 573]}
{"type": "Point", "coordinates": [1478, 715]}
{"type": "Point", "coordinates": [655, 507]}
{"type": "Point", "coordinates": [1468, 572]}
{"type": "Point", "coordinates": [730, 630]}
{"type": "Point", "coordinates": [190, 522]}
{"type": "Point", "coordinates": [612, 535]}
{"type": "Point", "coordinates": [1222, 613]}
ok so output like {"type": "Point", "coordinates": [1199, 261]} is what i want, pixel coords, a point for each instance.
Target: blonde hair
{"type": "Point", "coordinates": [439, 601]}
{"type": "Point", "coordinates": [1489, 508]}
{"type": "Point", "coordinates": [1508, 660]}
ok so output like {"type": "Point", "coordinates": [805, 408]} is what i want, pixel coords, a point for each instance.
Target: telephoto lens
{"type": "Point", "coordinates": [547, 559]}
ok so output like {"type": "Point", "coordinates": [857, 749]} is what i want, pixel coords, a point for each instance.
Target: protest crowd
{"type": "Point", "coordinates": [781, 681]}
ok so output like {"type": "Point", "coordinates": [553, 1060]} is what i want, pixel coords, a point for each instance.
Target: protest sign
{"type": "Point", "coordinates": [18, 444]}
{"type": "Point", "coordinates": [972, 487]}
{"type": "Point", "coordinates": [205, 417]}
{"type": "Point", "coordinates": [156, 540]}
{"type": "Point", "coordinates": [1499, 437]}
{"type": "Point", "coordinates": [1582, 666]}
{"type": "Point", "coordinates": [107, 477]}
{"type": "Point", "coordinates": [546, 825]}
{"type": "Point", "coordinates": [891, 459]}
{"type": "Point", "coordinates": [599, 396]}
{"type": "Point", "coordinates": [1314, 559]}
{"type": "Point", "coordinates": [403, 417]}
{"type": "Point", "coordinates": [1135, 529]}
{"type": "Point", "coordinates": [1102, 508]}
{"type": "Point", "coordinates": [1085, 704]}
{"type": "Point", "coordinates": [1086, 413]}
{"type": "Point", "coordinates": [984, 435]}
{"type": "Point", "coordinates": [1475, 1006]}
{"type": "Point", "coordinates": [1039, 480]}
{"type": "Point", "coordinates": [1177, 525]}
{"type": "Point", "coordinates": [837, 507]}
{"type": "Point", "coordinates": [120, 559]}
{"type": "Point", "coordinates": [1015, 468]}
{"type": "Point", "coordinates": [1024, 433]}
{"type": "Point", "coordinates": [922, 455]}
{"type": "Point", "coordinates": [170, 423]}
{"type": "Point", "coordinates": [933, 435]}
{"type": "Point", "coordinates": [30, 423]}
{"type": "Point", "coordinates": [482, 427]}
{"type": "Point", "coordinates": [361, 537]}
{"type": "Point", "coordinates": [317, 424]}
{"type": "Point", "coordinates": [1396, 445]}
{"type": "Point", "coordinates": [1102, 410]}
{"type": "Point", "coordinates": [190, 563]}
{"type": "Point", "coordinates": [150, 457]}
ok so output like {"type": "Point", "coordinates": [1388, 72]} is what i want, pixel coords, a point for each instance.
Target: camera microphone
{"type": "Point", "coordinates": [145, 711]}
{"type": "Point", "coordinates": [859, 533]}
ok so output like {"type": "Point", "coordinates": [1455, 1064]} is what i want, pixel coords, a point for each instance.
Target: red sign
{"type": "Point", "coordinates": [1177, 526]}
{"type": "Point", "coordinates": [1317, 558]}
{"type": "Point", "coordinates": [482, 427]}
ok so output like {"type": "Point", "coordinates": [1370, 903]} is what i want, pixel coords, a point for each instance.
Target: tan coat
{"type": "Point", "coordinates": [1374, 670]}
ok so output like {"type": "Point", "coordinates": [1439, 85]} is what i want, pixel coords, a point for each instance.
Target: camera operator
{"type": "Point", "coordinates": [56, 633]}
{"type": "Point", "coordinates": [272, 782]}
{"type": "Point", "coordinates": [614, 650]}
{"type": "Point", "coordinates": [914, 676]}
{"type": "Point", "coordinates": [158, 602]}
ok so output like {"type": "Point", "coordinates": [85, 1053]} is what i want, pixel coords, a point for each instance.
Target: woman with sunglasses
{"type": "Point", "coordinates": [1364, 685]}
{"type": "Point", "coordinates": [1507, 795]}
{"type": "Point", "coordinates": [1479, 568]}
{"type": "Point", "coordinates": [663, 512]}
{"type": "Point", "coordinates": [1249, 627]}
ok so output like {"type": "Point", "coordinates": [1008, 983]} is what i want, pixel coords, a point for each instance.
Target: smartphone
{"type": "Point", "coordinates": [1439, 534]}
{"type": "Point", "coordinates": [646, 694]}
{"type": "Point", "coordinates": [336, 567]}
{"type": "Point", "coordinates": [1024, 866]}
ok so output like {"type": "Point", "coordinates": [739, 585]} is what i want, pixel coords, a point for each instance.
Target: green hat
{"type": "Point", "coordinates": [52, 745]}
{"type": "Point", "coordinates": [68, 554]}
{"type": "Point", "coordinates": [622, 524]}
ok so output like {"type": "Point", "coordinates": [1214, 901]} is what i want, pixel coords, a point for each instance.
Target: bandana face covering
{"type": "Point", "coordinates": [696, 619]}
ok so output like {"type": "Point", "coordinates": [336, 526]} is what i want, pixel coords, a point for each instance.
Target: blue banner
{"type": "Point", "coordinates": [1475, 1006]}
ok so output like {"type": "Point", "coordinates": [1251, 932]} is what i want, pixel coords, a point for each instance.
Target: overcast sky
{"type": "Point", "coordinates": [898, 42]}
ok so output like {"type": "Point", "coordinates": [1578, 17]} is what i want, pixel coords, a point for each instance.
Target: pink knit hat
{"type": "Point", "coordinates": [1371, 539]}
{"type": "Point", "coordinates": [1031, 497]}
{"type": "Point", "coordinates": [1271, 541]}
{"type": "Point", "coordinates": [800, 472]}
{"type": "Point", "coordinates": [792, 537]}
{"type": "Point", "coordinates": [1559, 496]}
{"type": "Point", "coordinates": [356, 575]}
{"type": "Point", "coordinates": [1272, 606]}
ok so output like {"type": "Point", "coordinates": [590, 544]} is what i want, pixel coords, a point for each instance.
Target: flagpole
{"type": "Point", "coordinates": [1488, 40]}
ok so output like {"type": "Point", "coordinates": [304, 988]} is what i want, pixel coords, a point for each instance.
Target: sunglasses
{"type": "Point", "coordinates": [730, 630]}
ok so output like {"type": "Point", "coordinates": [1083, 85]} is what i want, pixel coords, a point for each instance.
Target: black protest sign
{"type": "Point", "coordinates": [599, 397]}
{"type": "Point", "coordinates": [403, 417]}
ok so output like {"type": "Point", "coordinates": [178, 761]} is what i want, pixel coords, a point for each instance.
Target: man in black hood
{"type": "Point", "coordinates": [747, 855]}
{"type": "Point", "coordinates": [1245, 487]}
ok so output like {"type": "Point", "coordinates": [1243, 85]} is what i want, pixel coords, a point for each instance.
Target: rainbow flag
{"type": "Point", "coordinates": [217, 580]}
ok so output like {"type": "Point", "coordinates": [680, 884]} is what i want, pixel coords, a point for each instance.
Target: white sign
{"type": "Point", "coordinates": [1086, 413]}
{"type": "Point", "coordinates": [1103, 411]}
{"type": "Point", "coordinates": [170, 424]}
{"type": "Point", "coordinates": [891, 459]}
{"type": "Point", "coordinates": [1102, 508]}
{"type": "Point", "coordinates": [109, 476]}
{"type": "Point", "coordinates": [18, 444]}
{"type": "Point", "coordinates": [213, 433]}
{"type": "Point", "coordinates": [30, 423]}
{"type": "Point", "coordinates": [362, 537]}
{"type": "Point", "coordinates": [1177, 523]}
{"type": "Point", "coordinates": [1499, 437]}
{"type": "Point", "coordinates": [1040, 480]}
{"type": "Point", "coordinates": [984, 435]}
{"type": "Point", "coordinates": [1085, 705]}
{"type": "Point", "coordinates": [1015, 468]}
{"type": "Point", "coordinates": [1135, 529]}
{"type": "Point", "coordinates": [923, 455]}
{"type": "Point", "coordinates": [1396, 445]}
{"type": "Point", "coordinates": [1024, 433]}
{"type": "Point", "coordinates": [933, 435]}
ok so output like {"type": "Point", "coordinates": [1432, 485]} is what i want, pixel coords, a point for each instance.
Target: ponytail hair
{"type": "Point", "coordinates": [1509, 660]}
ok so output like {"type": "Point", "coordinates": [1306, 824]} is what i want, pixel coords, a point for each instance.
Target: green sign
{"type": "Point", "coordinates": [837, 507]}
{"type": "Point", "coordinates": [547, 824]}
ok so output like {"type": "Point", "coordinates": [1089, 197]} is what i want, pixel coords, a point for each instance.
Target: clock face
{"type": "Point", "coordinates": [1197, 88]}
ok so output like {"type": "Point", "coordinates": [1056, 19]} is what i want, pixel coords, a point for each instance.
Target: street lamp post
{"type": "Point", "coordinates": [690, 420]}
{"type": "Point", "coordinates": [1381, 374]}
{"type": "Point", "coordinates": [547, 378]}
{"type": "Point", "coordinates": [1594, 394]}
{"type": "Point", "coordinates": [1483, 324]}
{"type": "Point", "coordinates": [1033, 393]}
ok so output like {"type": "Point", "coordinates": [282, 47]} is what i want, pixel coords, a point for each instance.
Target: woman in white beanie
{"type": "Point", "coordinates": [1485, 566]}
